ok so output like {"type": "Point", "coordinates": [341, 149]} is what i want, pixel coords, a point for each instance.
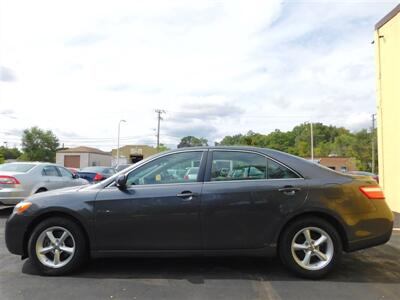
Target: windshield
{"type": "Point", "coordinates": [16, 167]}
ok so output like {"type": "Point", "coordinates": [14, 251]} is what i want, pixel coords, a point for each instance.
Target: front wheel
{"type": "Point", "coordinates": [57, 246]}
{"type": "Point", "coordinates": [310, 247]}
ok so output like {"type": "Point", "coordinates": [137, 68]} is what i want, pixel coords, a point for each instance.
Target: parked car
{"type": "Point", "coordinates": [363, 173]}
{"type": "Point", "coordinates": [73, 170]}
{"type": "Point", "coordinates": [96, 174]}
{"type": "Point", "coordinates": [305, 213]}
{"type": "Point", "coordinates": [122, 167]}
{"type": "Point", "coordinates": [19, 180]}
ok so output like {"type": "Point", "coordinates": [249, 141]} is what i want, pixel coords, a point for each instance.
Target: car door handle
{"type": "Point", "coordinates": [289, 190]}
{"type": "Point", "coordinates": [186, 195]}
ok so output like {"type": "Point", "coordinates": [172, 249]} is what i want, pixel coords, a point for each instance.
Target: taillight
{"type": "Point", "coordinates": [98, 177]}
{"type": "Point", "coordinates": [372, 192]}
{"type": "Point", "coordinates": [4, 179]}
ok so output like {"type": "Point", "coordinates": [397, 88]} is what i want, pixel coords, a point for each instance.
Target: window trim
{"type": "Point", "coordinates": [207, 176]}
{"type": "Point", "coordinates": [200, 175]}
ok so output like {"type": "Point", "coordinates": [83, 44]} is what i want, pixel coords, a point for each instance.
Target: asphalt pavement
{"type": "Point", "coordinates": [368, 274]}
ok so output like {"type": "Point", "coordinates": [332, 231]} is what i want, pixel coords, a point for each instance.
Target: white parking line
{"type": "Point", "coordinates": [396, 229]}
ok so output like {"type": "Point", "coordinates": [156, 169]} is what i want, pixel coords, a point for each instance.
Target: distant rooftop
{"type": "Point", "coordinates": [83, 149]}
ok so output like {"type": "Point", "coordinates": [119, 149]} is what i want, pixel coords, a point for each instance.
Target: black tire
{"type": "Point", "coordinates": [79, 242]}
{"type": "Point", "coordinates": [289, 257]}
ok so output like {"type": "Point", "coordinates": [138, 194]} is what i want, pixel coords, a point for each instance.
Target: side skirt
{"type": "Point", "coordinates": [266, 252]}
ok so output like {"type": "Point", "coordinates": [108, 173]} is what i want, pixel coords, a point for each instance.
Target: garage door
{"type": "Point", "coordinates": [72, 161]}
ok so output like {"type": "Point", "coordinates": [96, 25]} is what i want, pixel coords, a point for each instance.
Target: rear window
{"type": "Point", "coordinates": [13, 167]}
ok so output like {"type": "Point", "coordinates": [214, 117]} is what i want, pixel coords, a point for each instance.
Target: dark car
{"type": "Point", "coordinates": [257, 202]}
{"type": "Point", "coordinates": [96, 174]}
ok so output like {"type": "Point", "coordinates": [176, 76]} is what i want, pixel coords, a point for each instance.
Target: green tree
{"type": "Point", "coordinates": [327, 140]}
{"type": "Point", "coordinates": [1, 159]}
{"type": "Point", "coordinates": [162, 148]}
{"type": "Point", "coordinates": [192, 141]}
{"type": "Point", "coordinates": [10, 153]}
{"type": "Point", "coordinates": [39, 145]}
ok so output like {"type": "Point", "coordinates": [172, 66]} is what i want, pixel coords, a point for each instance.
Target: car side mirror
{"type": "Point", "coordinates": [120, 182]}
{"type": "Point", "coordinates": [75, 176]}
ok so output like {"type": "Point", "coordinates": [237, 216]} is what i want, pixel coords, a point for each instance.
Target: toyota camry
{"type": "Point", "coordinates": [241, 201]}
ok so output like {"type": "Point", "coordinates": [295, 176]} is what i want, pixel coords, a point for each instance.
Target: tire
{"type": "Point", "coordinates": [310, 260]}
{"type": "Point", "coordinates": [66, 239]}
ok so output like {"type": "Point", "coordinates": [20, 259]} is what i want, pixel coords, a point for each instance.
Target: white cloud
{"type": "Point", "coordinates": [80, 66]}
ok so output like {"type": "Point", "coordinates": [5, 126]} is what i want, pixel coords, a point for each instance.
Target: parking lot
{"type": "Point", "coordinates": [368, 274]}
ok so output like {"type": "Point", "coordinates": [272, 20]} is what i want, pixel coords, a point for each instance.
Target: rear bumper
{"type": "Point", "coordinates": [370, 241]}
{"type": "Point", "coordinates": [10, 200]}
{"type": "Point", "coordinates": [11, 196]}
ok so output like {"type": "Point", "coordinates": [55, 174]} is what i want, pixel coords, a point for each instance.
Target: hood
{"type": "Point", "coordinates": [55, 193]}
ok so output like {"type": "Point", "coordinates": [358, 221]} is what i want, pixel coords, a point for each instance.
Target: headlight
{"type": "Point", "coordinates": [21, 207]}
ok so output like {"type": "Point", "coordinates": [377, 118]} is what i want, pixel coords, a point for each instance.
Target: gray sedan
{"type": "Point", "coordinates": [21, 179]}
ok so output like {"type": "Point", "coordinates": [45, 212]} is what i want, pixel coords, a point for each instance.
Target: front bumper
{"type": "Point", "coordinates": [15, 232]}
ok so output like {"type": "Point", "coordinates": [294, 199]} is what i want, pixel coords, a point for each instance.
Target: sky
{"type": "Point", "coordinates": [216, 67]}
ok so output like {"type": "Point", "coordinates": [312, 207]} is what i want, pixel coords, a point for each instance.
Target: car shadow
{"type": "Point", "coordinates": [380, 264]}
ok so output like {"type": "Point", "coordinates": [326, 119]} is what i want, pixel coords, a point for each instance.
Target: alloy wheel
{"type": "Point", "coordinates": [312, 248]}
{"type": "Point", "coordinates": [55, 247]}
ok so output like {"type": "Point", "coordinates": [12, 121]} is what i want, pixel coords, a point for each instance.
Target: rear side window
{"type": "Point", "coordinates": [50, 171]}
{"type": "Point", "coordinates": [235, 165]}
{"type": "Point", "coordinates": [13, 167]}
{"type": "Point", "coordinates": [278, 171]}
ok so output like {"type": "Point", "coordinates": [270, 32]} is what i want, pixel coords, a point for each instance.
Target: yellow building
{"type": "Point", "coordinates": [132, 153]}
{"type": "Point", "coordinates": [387, 43]}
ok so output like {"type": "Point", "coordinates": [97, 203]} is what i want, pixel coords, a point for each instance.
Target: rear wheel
{"type": "Point", "coordinates": [310, 247]}
{"type": "Point", "coordinates": [57, 246]}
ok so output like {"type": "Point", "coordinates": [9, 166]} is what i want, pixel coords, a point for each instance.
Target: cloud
{"type": "Point", "coordinates": [216, 67]}
{"type": "Point", "coordinates": [7, 75]}
{"type": "Point", "coordinates": [87, 39]}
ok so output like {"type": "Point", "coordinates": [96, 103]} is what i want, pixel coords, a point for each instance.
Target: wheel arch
{"type": "Point", "coordinates": [52, 214]}
{"type": "Point", "coordinates": [330, 218]}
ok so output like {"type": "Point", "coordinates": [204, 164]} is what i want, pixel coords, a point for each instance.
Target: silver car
{"type": "Point", "coordinates": [21, 179]}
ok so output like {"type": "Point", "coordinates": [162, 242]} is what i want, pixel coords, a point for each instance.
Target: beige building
{"type": "Point", "coordinates": [130, 154]}
{"type": "Point", "coordinates": [81, 157]}
{"type": "Point", "coordinates": [387, 46]}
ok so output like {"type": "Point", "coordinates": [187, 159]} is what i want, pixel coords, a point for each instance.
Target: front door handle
{"type": "Point", "coordinates": [289, 190]}
{"type": "Point", "coordinates": [186, 195]}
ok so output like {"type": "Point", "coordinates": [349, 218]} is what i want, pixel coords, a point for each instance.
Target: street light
{"type": "Point", "coordinates": [119, 128]}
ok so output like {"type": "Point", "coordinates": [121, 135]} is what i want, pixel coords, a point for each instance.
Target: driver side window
{"type": "Point", "coordinates": [174, 168]}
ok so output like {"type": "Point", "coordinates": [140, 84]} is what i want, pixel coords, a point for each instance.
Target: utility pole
{"type": "Point", "coordinates": [312, 141]}
{"type": "Point", "coordinates": [6, 144]}
{"type": "Point", "coordinates": [119, 129]}
{"type": "Point", "coordinates": [159, 118]}
{"type": "Point", "coordinates": [373, 142]}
